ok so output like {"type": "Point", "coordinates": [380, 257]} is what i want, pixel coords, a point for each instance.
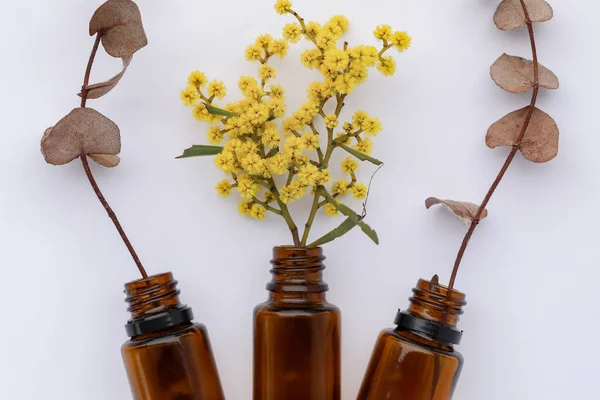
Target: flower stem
{"type": "Point", "coordinates": [88, 171]}
{"type": "Point", "coordinates": [511, 155]}
{"type": "Point", "coordinates": [311, 217]}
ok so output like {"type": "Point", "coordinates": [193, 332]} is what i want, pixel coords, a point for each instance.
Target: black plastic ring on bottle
{"type": "Point", "coordinates": [444, 334]}
{"type": "Point", "coordinates": [159, 322]}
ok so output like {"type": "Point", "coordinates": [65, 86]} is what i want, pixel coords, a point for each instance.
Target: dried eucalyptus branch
{"type": "Point", "coordinates": [528, 130]}
{"type": "Point", "coordinates": [85, 132]}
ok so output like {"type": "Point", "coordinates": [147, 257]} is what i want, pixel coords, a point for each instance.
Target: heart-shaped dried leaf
{"type": "Point", "coordinates": [515, 74]}
{"type": "Point", "coordinates": [106, 160]}
{"type": "Point", "coordinates": [82, 131]}
{"type": "Point", "coordinates": [98, 90]}
{"type": "Point", "coordinates": [540, 142]}
{"type": "Point", "coordinates": [120, 23]}
{"type": "Point", "coordinates": [510, 13]}
{"type": "Point", "coordinates": [464, 211]}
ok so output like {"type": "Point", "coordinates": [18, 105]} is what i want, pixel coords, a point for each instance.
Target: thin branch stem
{"type": "Point", "coordinates": [88, 71]}
{"type": "Point", "coordinates": [88, 171]}
{"type": "Point", "coordinates": [510, 157]}
{"type": "Point", "coordinates": [311, 217]}
{"type": "Point", "coordinates": [112, 215]}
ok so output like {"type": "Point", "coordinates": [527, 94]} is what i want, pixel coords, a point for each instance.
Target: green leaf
{"type": "Point", "coordinates": [199, 150]}
{"type": "Point", "coordinates": [370, 232]}
{"type": "Point", "coordinates": [341, 230]}
{"type": "Point", "coordinates": [347, 211]}
{"type": "Point", "coordinates": [361, 156]}
{"type": "Point", "coordinates": [271, 118]}
{"type": "Point", "coordinates": [273, 151]}
{"type": "Point", "coordinates": [218, 111]}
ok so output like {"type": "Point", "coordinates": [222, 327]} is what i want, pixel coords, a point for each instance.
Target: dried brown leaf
{"type": "Point", "coordinates": [515, 74]}
{"type": "Point", "coordinates": [120, 23]}
{"type": "Point", "coordinates": [98, 90]}
{"type": "Point", "coordinates": [464, 211]}
{"type": "Point", "coordinates": [510, 14]}
{"type": "Point", "coordinates": [82, 131]}
{"type": "Point", "coordinates": [106, 160]}
{"type": "Point", "coordinates": [540, 142]}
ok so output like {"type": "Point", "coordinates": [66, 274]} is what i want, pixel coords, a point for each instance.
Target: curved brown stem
{"type": "Point", "coordinates": [510, 157]}
{"type": "Point", "coordinates": [88, 171]}
{"type": "Point", "coordinates": [112, 215]}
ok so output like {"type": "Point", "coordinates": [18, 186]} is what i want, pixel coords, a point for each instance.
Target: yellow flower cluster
{"type": "Point", "coordinates": [256, 149]}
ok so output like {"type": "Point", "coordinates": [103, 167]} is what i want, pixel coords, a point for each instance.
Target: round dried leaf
{"type": "Point", "coordinates": [464, 211]}
{"type": "Point", "coordinates": [113, 13]}
{"type": "Point", "coordinates": [122, 41]}
{"type": "Point", "coordinates": [98, 90]}
{"type": "Point", "coordinates": [540, 142]}
{"type": "Point", "coordinates": [82, 131]}
{"type": "Point", "coordinates": [515, 74]}
{"type": "Point", "coordinates": [510, 14]}
{"type": "Point", "coordinates": [106, 160]}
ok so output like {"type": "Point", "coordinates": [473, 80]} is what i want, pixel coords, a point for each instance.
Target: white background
{"type": "Point", "coordinates": [530, 273]}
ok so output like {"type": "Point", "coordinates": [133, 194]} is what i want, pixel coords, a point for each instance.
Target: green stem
{"type": "Point", "coordinates": [267, 206]}
{"type": "Point", "coordinates": [311, 217]}
{"type": "Point", "coordinates": [285, 213]}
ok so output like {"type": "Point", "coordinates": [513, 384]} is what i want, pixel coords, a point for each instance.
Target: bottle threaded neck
{"type": "Point", "coordinates": [154, 304]}
{"type": "Point", "coordinates": [297, 270]}
{"type": "Point", "coordinates": [434, 311]}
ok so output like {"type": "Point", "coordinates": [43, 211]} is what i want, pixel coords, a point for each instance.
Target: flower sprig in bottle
{"type": "Point", "coordinates": [272, 161]}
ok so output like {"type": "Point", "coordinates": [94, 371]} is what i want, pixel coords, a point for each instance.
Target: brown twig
{"type": "Point", "coordinates": [511, 155]}
{"type": "Point", "coordinates": [88, 171]}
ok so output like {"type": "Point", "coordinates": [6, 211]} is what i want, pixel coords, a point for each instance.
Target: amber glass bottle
{"type": "Point", "coordinates": [297, 332]}
{"type": "Point", "coordinates": [168, 356]}
{"type": "Point", "coordinates": [417, 360]}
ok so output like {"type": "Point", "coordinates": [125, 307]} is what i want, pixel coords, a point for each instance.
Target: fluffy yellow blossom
{"type": "Point", "coordinates": [293, 146]}
{"type": "Point", "coordinates": [197, 79]}
{"type": "Point", "coordinates": [249, 87]}
{"type": "Point", "coordinates": [247, 187]}
{"type": "Point", "coordinates": [233, 146]}
{"type": "Point", "coordinates": [264, 41]}
{"type": "Point", "coordinates": [336, 59]}
{"type": "Point", "coordinates": [308, 175]}
{"type": "Point", "coordinates": [372, 126]}
{"type": "Point", "coordinates": [387, 66]}
{"type": "Point", "coordinates": [279, 47]}
{"type": "Point", "coordinates": [312, 28]}
{"type": "Point", "coordinates": [349, 165]}
{"type": "Point", "coordinates": [217, 89]}
{"type": "Point", "coordinates": [401, 41]}
{"type": "Point", "coordinates": [292, 32]}
{"type": "Point", "coordinates": [266, 72]}
{"type": "Point", "coordinates": [340, 187]}
{"type": "Point", "coordinates": [340, 21]}
{"type": "Point", "coordinates": [324, 177]}
{"type": "Point", "coordinates": [345, 83]}
{"type": "Point", "coordinates": [318, 91]}
{"type": "Point", "coordinates": [252, 163]}
{"type": "Point", "coordinates": [359, 191]}
{"type": "Point", "coordinates": [311, 58]}
{"type": "Point", "coordinates": [258, 212]}
{"type": "Point", "coordinates": [310, 140]}
{"type": "Point", "coordinates": [291, 191]}
{"type": "Point", "coordinates": [224, 188]}
{"type": "Point", "coordinates": [365, 146]}
{"type": "Point", "coordinates": [189, 95]}
{"type": "Point", "coordinates": [331, 210]}
{"type": "Point", "coordinates": [360, 74]}
{"type": "Point", "coordinates": [367, 56]}
{"type": "Point", "coordinates": [331, 121]}
{"type": "Point", "coordinates": [347, 127]}
{"type": "Point", "coordinates": [383, 32]}
{"type": "Point", "coordinates": [201, 114]}
{"type": "Point", "coordinates": [276, 91]}
{"type": "Point", "coordinates": [270, 136]}
{"type": "Point", "coordinates": [283, 6]}
{"type": "Point", "coordinates": [276, 108]}
{"type": "Point", "coordinates": [269, 196]}
{"type": "Point", "coordinates": [244, 208]}
{"type": "Point", "coordinates": [226, 161]}
{"type": "Point", "coordinates": [215, 135]}
{"type": "Point", "coordinates": [278, 164]}
{"type": "Point", "coordinates": [358, 119]}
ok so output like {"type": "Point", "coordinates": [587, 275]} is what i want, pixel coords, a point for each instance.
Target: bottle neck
{"type": "Point", "coordinates": [433, 313]}
{"type": "Point", "coordinates": [297, 275]}
{"type": "Point", "coordinates": [154, 305]}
